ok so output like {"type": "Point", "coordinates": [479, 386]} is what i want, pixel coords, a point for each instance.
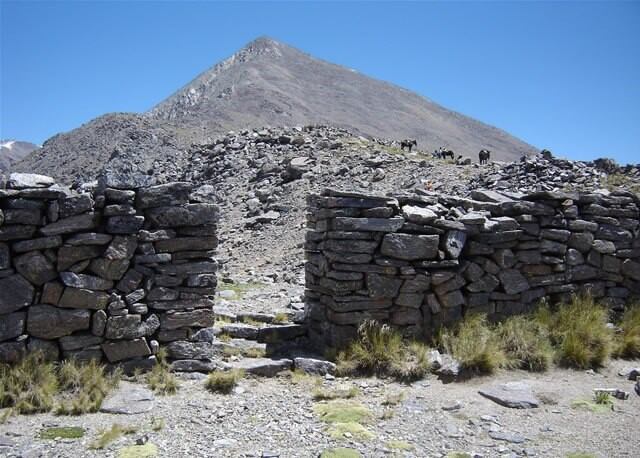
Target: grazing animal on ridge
{"type": "Point", "coordinates": [484, 155]}
{"type": "Point", "coordinates": [447, 153]}
{"type": "Point", "coordinates": [408, 144]}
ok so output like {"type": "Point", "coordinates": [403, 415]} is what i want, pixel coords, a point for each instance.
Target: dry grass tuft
{"type": "Point", "coordinates": [525, 343]}
{"type": "Point", "coordinates": [160, 379]}
{"type": "Point", "coordinates": [628, 342]}
{"type": "Point", "coordinates": [380, 350]}
{"type": "Point", "coordinates": [223, 381]}
{"type": "Point", "coordinates": [28, 386]}
{"type": "Point", "coordinates": [110, 435]}
{"type": "Point", "coordinates": [474, 344]}
{"type": "Point", "coordinates": [85, 385]}
{"type": "Point", "coordinates": [579, 332]}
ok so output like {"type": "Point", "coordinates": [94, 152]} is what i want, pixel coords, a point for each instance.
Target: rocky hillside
{"type": "Point", "coordinates": [11, 151]}
{"type": "Point", "coordinates": [261, 178]}
{"type": "Point", "coordinates": [265, 83]}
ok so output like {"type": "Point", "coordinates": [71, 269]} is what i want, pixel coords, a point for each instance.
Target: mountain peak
{"type": "Point", "coordinates": [268, 83]}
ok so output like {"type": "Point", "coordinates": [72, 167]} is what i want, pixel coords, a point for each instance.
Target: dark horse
{"type": "Point", "coordinates": [484, 155]}
{"type": "Point", "coordinates": [445, 153]}
{"type": "Point", "coordinates": [408, 144]}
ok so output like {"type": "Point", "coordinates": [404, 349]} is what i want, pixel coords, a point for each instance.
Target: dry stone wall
{"type": "Point", "coordinates": [110, 273]}
{"type": "Point", "coordinates": [424, 260]}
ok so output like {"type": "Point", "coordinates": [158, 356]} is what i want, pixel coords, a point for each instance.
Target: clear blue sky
{"type": "Point", "coordinates": [563, 76]}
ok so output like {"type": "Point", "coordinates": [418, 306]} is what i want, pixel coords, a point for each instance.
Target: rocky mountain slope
{"type": "Point", "coordinates": [265, 83]}
{"type": "Point", "coordinates": [11, 151]}
{"type": "Point", "coordinates": [270, 83]}
{"type": "Point", "coordinates": [261, 177]}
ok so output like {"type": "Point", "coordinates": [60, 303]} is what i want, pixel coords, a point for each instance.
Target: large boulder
{"type": "Point", "coordinates": [15, 292]}
{"type": "Point", "coordinates": [35, 267]}
{"type": "Point", "coordinates": [163, 195]}
{"type": "Point", "coordinates": [12, 325]}
{"type": "Point", "coordinates": [410, 247]}
{"type": "Point", "coordinates": [187, 215]}
{"type": "Point", "coordinates": [125, 349]}
{"type": "Point", "coordinates": [48, 322]}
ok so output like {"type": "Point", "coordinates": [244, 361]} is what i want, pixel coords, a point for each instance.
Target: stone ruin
{"type": "Point", "coordinates": [109, 274]}
{"type": "Point", "coordinates": [420, 261]}
{"type": "Point", "coordinates": [118, 269]}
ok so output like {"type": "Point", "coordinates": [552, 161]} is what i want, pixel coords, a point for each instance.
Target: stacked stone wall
{"type": "Point", "coordinates": [110, 273]}
{"type": "Point", "coordinates": [425, 260]}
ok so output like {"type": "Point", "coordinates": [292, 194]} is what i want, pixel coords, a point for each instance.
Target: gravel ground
{"type": "Point", "coordinates": [277, 416]}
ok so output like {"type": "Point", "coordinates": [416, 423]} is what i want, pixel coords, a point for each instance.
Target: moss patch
{"type": "Point", "coordinates": [591, 406]}
{"type": "Point", "coordinates": [399, 445]}
{"type": "Point", "coordinates": [64, 432]}
{"type": "Point", "coordinates": [342, 412]}
{"type": "Point", "coordinates": [340, 452]}
{"type": "Point", "coordinates": [339, 392]}
{"type": "Point", "coordinates": [147, 450]}
{"type": "Point", "coordinates": [350, 430]}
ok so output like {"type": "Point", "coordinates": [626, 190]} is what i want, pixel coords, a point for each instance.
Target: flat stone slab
{"type": "Point", "coordinates": [516, 395]}
{"type": "Point", "coordinates": [6, 441]}
{"type": "Point", "coordinates": [264, 367]}
{"type": "Point", "coordinates": [129, 399]}
{"type": "Point", "coordinates": [507, 437]}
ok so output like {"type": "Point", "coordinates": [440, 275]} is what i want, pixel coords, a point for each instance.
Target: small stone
{"type": "Point", "coordinates": [83, 281]}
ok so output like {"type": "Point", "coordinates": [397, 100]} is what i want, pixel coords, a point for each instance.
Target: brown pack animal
{"type": "Point", "coordinates": [408, 144]}
{"type": "Point", "coordinates": [484, 155]}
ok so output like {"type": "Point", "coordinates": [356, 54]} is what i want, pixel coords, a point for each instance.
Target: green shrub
{"type": "Point", "coordinates": [223, 381]}
{"type": "Point", "coordinates": [579, 332]}
{"type": "Point", "coordinates": [628, 342]}
{"type": "Point", "coordinates": [525, 343]}
{"type": "Point", "coordinates": [380, 350]}
{"type": "Point", "coordinates": [602, 398]}
{"type": "Point", "coordinates": [474, 344]}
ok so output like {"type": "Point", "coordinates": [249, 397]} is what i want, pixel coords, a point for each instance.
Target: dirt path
{"type": "Point", "coordinates": [276, 417]}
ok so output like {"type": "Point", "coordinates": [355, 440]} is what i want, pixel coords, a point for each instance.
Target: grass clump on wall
{"type": "Point", "coordinates": [628, 341]}
{"type": "Point", "coordinates": [525, 343]}
{"type": "Point", "coordinates": [380, 350]}
{"type": "Point", "coordinates": [474, 343]}
{"type": "Point", "coordinates": [579, 332]}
